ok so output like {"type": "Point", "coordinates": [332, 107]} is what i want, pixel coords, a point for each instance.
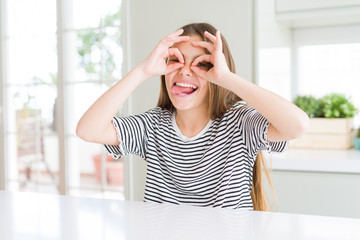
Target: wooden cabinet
{"type": "Point", "coordinates": [317, 182]}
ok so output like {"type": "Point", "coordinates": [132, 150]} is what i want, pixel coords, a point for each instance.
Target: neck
{"type": "Point", "coordinates": [191, 122]}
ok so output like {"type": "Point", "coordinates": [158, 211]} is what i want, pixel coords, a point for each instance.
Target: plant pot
{"type": "Point", "coordinates": [114, 170]}
{"type": "Point", "coordinates": [115, 173]}
{"type": "Point", "coordinates": [97, 165]}
{"type": "Point", "coordinates": [357, 143]}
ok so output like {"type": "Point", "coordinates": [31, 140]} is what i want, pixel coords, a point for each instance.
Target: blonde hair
{"type": "Point", "coordinates": [221, 100]}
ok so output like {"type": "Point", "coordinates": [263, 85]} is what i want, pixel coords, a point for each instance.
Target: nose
{"type": "Point", "coordinates": [186, 70]}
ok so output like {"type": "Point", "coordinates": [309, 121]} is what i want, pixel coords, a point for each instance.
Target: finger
{"type": "Point", "coordinates": [207, 45]}
{"type": "Point", "coordinates": [170, 40]}
{"type": "Point", "coordinates": [198, 71]}
{"type": "Point", "coordinates": [215, 39]}
{"type": "Point", "coordinates": [211, 37]}
{"type": "Point", "coordinates": [175, 38]}
{"type": "Point", "coordinates": [172, 67]}
{"type": "Point", "coordinates": [181, 39]}
{"type": "Point", "coordinates": [202, 58]}
{"type": "Point", "coordinates": [218, 43]}
{"type": "Point", "coordinates": [176, 52]}
{"type": "Point", "coordinates": [177, 33]}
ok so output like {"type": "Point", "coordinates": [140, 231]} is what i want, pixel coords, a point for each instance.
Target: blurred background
{"type": "Point", "coordinates": [58, 56]}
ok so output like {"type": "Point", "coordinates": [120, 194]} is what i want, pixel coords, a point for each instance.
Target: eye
{"type": "Point", "coordinates": [173, 60]}
{"type": "Point", "coordinates": [204, 65]}
{"type": "Point", "coordinates": [201, 65]}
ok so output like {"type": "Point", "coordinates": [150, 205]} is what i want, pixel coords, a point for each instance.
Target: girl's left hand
{"type": "Point", "coordinates": [217, 74]}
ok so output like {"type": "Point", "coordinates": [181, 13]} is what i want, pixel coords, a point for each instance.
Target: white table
{"type": "Point", "coordinates": [26, 216]}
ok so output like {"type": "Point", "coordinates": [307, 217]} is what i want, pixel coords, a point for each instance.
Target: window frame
{"type": "Point", "coordinates": [2, 96]}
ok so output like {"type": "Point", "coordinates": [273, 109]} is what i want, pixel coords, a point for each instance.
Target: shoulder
{"type": "Point", "coordinates": [232, 116]}
{"type": "Point", "coordinates": [157, 115]}
{"type": "Point", "coordinates": [238, 110]}
{"type": "Point", "coordinates": [238, 105]}
{"type": "Point", "coordinates": [149, 117]}
{"type": "Point", "coordinates": [239, 114]}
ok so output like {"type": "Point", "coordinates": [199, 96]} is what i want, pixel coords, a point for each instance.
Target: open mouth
{"type": "Point", "coordinates": [181, 88]}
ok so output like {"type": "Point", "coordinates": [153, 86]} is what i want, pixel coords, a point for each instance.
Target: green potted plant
{"type": "Point", "coordinates": [357, 140]}
{"type": "Point", "coordinates": [337, 106]}
{"type": "Point", "coordinates": [331, 122]}
{"type": "Point", "coordinates": [308, 104]}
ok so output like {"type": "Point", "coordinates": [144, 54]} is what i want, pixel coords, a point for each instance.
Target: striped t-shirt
{"type": "Point", "coordinates": [214, 168]}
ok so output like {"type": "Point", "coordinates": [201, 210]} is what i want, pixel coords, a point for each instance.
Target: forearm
{"type": "Point", "coordinates": [289, 121]}
{"type": "Point", "coordinates": [95, 125]}
{"type": "Point", "coordinates": [98, 117]}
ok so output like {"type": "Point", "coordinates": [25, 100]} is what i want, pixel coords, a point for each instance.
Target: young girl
{"type": "Point", "coordinates": [202, 142]}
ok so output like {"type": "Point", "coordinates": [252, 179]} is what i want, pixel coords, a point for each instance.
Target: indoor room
{"type": "Point", "coordinates": [63, 178]}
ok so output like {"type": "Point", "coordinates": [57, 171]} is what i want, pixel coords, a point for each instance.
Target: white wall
{"type": "Point", "coordinates": [270, 33]}
{"type": "Point", "coordinates": [150, 21]}
{"type": "Point", "coordinates": [274, 44]}
{"type": "Point", "coordinates": [329, 194]}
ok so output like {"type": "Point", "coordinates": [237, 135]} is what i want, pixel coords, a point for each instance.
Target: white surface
{"type": "Point", "coordinates": [26, 216]}
{"type": "Point", "coordinates": [337, 161]}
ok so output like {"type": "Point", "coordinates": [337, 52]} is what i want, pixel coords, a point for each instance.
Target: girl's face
{"type": "Point", "coordinates": [185, 89]}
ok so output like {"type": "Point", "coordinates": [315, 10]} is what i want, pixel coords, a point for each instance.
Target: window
{"type": "Point", "coordinates": [328, 61]}
{"type": "Point", "coordinates": [30, 90]}
{"type": "Point", "coordinates": [320, 61]}
{"type": "Point", "coordinates": [96, 59]}
{"type": "Point", "coordinates": [90, 60]}
{"type": "Point", "coordinates": [324, 69]}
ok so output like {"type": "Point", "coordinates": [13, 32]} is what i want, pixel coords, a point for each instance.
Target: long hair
{"type": "Point", "coordinates": [220, 100]}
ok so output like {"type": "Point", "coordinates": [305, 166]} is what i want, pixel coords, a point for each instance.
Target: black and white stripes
{"type": "Point", "coordinates": [212, 169]}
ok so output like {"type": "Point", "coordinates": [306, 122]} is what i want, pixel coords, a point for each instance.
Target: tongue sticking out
{"type": "Point", "coordinates": [176, 90]}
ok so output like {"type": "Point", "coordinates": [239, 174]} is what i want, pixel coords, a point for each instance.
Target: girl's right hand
{"type": "Point", "coordinates": [156, 63]}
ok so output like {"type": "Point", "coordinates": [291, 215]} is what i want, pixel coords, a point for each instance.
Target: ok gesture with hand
{"type": "Point", "coordinates": [155, 64]}
{"type": "Point", "coordinates": [217, 74]}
